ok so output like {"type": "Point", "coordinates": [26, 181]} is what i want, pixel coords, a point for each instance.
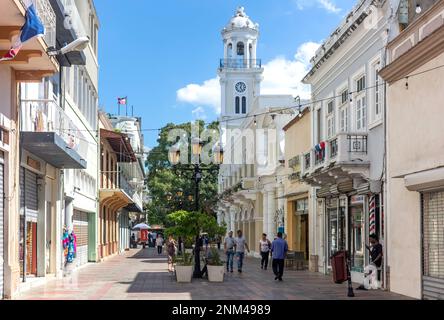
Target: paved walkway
{"type": "Point", "coordinates": [143, 275]}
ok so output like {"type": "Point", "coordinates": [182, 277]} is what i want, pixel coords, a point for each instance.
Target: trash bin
{"type": "Point", "coordinates": [339, 267]}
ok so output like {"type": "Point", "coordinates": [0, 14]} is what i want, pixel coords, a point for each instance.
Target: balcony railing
{"type": "Point", "coordinates": [48, 18]}
{"type": "Point", "coordinates": [343, 148]}
{"type": "Point", "coordinates": [319, 156]}
{"type": "Point", "coordinates": [357, 143]}
{"type": "Point", "coordinates": [115, 180]}
{"type": "Point", "coordinates": [45, 115]}
{"type": "Point", "coordinates": [240, 64]}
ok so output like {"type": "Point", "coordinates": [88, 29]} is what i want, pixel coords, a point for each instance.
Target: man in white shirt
{"type": "Point", "coordinates": [229, 246]}
{"type": "Point", "coordinates": [241, 245]}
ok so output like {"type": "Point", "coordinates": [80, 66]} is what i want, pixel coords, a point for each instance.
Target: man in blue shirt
{"type": "Point", "coordinates": [279, 249]}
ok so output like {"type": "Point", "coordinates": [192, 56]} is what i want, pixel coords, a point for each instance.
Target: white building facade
{"type": "Point", "coordinates": [251, 181]}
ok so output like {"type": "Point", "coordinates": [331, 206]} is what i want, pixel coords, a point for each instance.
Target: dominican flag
{"type": "Point", "coordinates": [33, 27]}
{"type": "Point", "coordinates": [122, 101]}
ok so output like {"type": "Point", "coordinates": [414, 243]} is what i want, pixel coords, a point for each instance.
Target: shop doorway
{"type": "Point", "coordinates": [28, 223]}
{"type": "Point", "coordinates": [336, 227]}
{"type": "Point", "coordinates": [301, 227]}
{"type": "Point", "coordinates": [433, 245]}
{"type": "Point", "coordinates": [357, 233]}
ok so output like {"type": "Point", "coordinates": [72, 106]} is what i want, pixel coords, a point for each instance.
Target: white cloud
{"type": "Point", "coordinates": [328, 5]}
{"type": "Point", "coordinates": [207, 94]}
{"type": "Point", "coordinates": [281, 76]}
{"type": "Point", "coordinates": [199, 113]}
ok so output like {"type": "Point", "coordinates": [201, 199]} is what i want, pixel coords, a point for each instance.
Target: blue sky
{"type": "Point", "coordinates": [164, 55]}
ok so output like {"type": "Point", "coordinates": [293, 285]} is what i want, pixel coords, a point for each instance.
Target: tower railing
{"type": "Point", "coordinates": [240, 63]}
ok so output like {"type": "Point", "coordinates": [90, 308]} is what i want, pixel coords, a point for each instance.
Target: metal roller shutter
{"type": "Point", "coordinates": [2, 197]}
{"type": "Point", "coordinates": [433, 245]}
{"type": "Point", "coordinates": [28, 179]}
{"type": "Point", "coordinates": [81, 230]}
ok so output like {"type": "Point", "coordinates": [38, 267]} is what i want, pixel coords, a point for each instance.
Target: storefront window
{"type": "Point", "coordinates": [336, 226]}
{"type": "Point", "coordinates": [357, 239]}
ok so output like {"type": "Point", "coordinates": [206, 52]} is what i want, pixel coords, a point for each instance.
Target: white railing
{"type": "Point", "coordinates": [48, 17]}
{"type": "Point", "coordinates": [72, 18]}
{"type": "Point", "coordinates": [341, 148]}
{"type": "Point", "coordinates": [45, 115]}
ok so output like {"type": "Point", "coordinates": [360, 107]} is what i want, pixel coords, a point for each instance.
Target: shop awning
{"type": "Point", "coordinates": [426, 180]}
{"type": "Point", "coordinates": [51, 148]}
{"type": "Point", "coordinates": [120, 144]}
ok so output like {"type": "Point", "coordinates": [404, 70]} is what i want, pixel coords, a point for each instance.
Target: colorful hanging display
{"type": "Point", "coordinates": [69, 241]}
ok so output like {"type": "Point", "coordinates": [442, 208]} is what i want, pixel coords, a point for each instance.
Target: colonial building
{"type": "Point", "coordinates": [132, 127]}
{"type": "Point", "coordinates": [345, 162]}
{"type": "Point", "coordinates": [54, 135]}
{"type": "Point", "coordinates": [116, 161]}
{"type": "Point", "coordinates": [250, 183]}
{"type": "Point", "coordinates": [415, 149]}
{"type": "Point", "coordinates": [18, 253]}
{"type": "Point", "coordinates": [297, 194]}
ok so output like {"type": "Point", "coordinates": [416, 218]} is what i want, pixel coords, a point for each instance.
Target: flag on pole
{"type": "Point", "coordinates": [33, 27]}
{"type": "Point", "coordinates": [122, 101]}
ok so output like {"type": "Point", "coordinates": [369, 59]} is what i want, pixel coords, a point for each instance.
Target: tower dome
{"type": "Point", "coordinates": [240, 20]}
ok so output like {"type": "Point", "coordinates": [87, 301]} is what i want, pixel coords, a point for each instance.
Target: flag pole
{"type": "Point", "coordinates": [132, 111]}
{"type": "Point", "coordinates": [118, 105]}
{"type": "Point", "coordinates": [126, 106]}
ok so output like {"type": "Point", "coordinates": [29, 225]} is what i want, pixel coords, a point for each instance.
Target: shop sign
{"type": "Point", "coordinates": [357, 200]}
{"type": "Point", "coordinates": [34, 164]}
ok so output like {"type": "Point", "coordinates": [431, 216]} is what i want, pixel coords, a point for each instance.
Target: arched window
{"type": "Point", "coordinates": [244, 105]}
{"type": "Point", "coordinates": [230, 51]}
{"type": "Point", "coordinates": [240, 49]}
{"type": "Point", "coordinates": [237, 105]}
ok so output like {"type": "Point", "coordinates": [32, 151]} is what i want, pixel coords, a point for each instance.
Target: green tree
{"type": "Point", "coordinates": [189, 224]}
{"type": "Point", "coordinates": [165, 180]}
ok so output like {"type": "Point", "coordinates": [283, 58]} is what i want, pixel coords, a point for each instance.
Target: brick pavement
{"type": "Point", "coordinates": [143, 275]}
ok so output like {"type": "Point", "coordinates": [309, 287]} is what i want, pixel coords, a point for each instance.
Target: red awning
{"type": "Point", "coordinates": [120, 144]}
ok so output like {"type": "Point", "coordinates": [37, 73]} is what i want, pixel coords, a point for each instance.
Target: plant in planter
{"type": "Point", "coordinates": [184, 267]}
{"type": "Point", "coordinates": [215, 266]}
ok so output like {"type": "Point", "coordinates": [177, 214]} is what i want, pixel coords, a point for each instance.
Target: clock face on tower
{"type": "Point", "coordinates": [241, 87]}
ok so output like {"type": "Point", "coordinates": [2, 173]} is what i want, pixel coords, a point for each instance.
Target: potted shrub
{"type": "Point", "coordinates": [184, 267]}
{"type": "Point", "coordinates": [215, 267]}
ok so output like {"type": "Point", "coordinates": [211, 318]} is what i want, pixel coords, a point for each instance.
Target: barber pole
{"type": "Point", "coordinates": [372, 215]}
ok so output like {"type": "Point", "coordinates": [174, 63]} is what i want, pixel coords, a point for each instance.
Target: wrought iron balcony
{"type": "Point", "coordinates": [48, 18]}
{"type": "Point", "coordinates": [240, 64]}
{"type": "Point", "coordinates": [342, 149]}
{"type": "Point", "coordinates": [49, 133]}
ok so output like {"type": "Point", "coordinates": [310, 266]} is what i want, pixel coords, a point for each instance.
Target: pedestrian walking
{"type": "Point", "coordinates": [240, 245]}
{"type": "Point", "coordinates": [264, 249]}
{"type": "Point", "coordinates": [279, 249]}
{"type": "Point", "coordinates": [171, 250]}
{"type": "Point", "coordinates": [159, 243]}
{"type": "Point", "coordinates": [229, 244]}
{"type": "Point", "coordinates": [218, 241]}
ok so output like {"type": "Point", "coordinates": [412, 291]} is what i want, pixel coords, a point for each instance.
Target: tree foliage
{"type": "Point", "coordinates": [188, 225]}
{"type": "Point", "coordinates": [166, 180]}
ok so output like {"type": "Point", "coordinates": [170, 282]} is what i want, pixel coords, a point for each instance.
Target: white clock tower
{"type": "Point", "coordinates": [240, 71]}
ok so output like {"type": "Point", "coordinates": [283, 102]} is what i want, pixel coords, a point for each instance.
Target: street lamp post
{"type": "Point", "coordinates": [174, 155]}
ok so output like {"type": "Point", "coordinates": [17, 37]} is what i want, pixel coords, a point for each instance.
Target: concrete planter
{"type": "Point", "coordinates": [216, 273]}
{"type": "Point", "coordinates": [184, 273]}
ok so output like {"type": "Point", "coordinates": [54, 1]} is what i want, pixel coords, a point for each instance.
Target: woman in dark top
{"type": "Point", "coordinates": [171, 250]}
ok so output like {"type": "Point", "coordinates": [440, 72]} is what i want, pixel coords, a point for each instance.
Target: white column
{"type": "Point", "coordinates": [281, 204]}
{"type": "Point", "coordinates": [265, 213]}
{"type": "Point", "coordinates": [271, 195]}
{"type": "Point", "coordinates": [232, 219]}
